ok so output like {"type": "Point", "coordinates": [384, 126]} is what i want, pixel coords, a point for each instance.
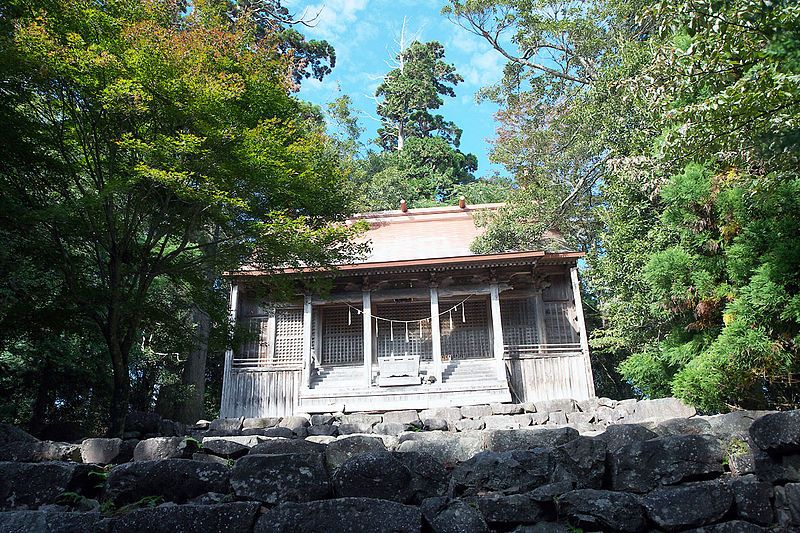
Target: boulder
{"type": "Point", "coordinates": [524, 419]}
{"type": "Point", "coordinates": [683, 426]}
{"type": "Point", "coordinates": [557, 418]}
{"type": "Point", "coordinates": [285, 433]}
{"type": "Point", "coordinates": [101, 451]}
{"type": "Point", "coordinates": [752, 499]}
{"type": "Point", "coordinates": [580, 418]}
{"type": "Point", "coordinates": [401, 417]}
{"type": "Point", "coordinates": [447, 448]}
{"type": "Point", "coordinates": [322, 420]}
{"type": "Point", "coordinates": [506, 408]}
{"type": "Point", "coordinates": [9, 433]}
{"type": "Point", "coordinates": [777, 432]}
{"type": "Point", "coordinates": [582, 461]}
{"type": "Point", "coordinates": [391, 428]}
{"type": "Point", "coordinates": [734, 424]}
{"type": "Point", "coordinates": [278, 446]}
{"type": "Point", "coordinates": [602, 510]}
{"type": "Point", "coordinates": [451, 414]}
{"type": "Point", "coordinates": [354, 428]}
{"type": "Point", "coordinates": [175, 480]}
{"type": "Point", "coordinates": [500, 422]}
{"type": "Point", "coordinates": [272, 479]}
{"type": "Point", "coordinates": [452, 516]}
{"type": "Point", "coordinates": [523, 439]}
{"type": "Point", "coordinates": [688, 505]}
{"type": "Point", "coordinates": [549, 406]}
{"type": "Point", "coordinates": [732, 526]}
{"type": "Point", "coordinates": [375, 475]}
{"type": "Point", "coordinates": [511, 472]}
{"type": "Point", "coordinates": [142, 422]}
{"type": "Point", "coordinates": [436, 424]}
{"type": "Point", "coordinates": [537, 419]}
{"type": "Point", "coordinates": [659, 409]}
{"type": "Point", "coordinates": [201, 456]}
{"type": "Point", "coordinates": [230, 426]}
{"type": "Point", "coordinates": [505, 511]}
{"type": "Point", "coordinates": [165, 448]}
{"type": "Point", "coordinates": [643, 466]}
{"type": "Point", "coordinates": [295, 423]}
{"type": "Point", "coordinates": [37, 451]}
{"type": "Point", "coordinates": [355, 515]}
{"type": "Point", "coordinates": [244, 440]}
{"type": "Point", "coordinates": [787, 504]}
{"type": "Point", "coordinates": [171, 428]}
{"type": "Point", "coordinates": [776, 468]}
{"type": "Point", "coordinates": [30, 485]}
{"type": "Point", "coordinates": [224, 448]}
{"type": "Point", "coordinates": [339, 451]}
{"type": "Point", "coordinates": [361, 419]}
{"type": "Point", "coordinates": [236, 517]}
{"type": "Point", "coordinates": [36, 521]}
{"type": "Point", "coordinates": [322, 431]}
{"type": "Point", "coordinates": [620, 435]}
{"type": "Point", "coordinates": [429, 477]}
{"type": "Point", "coordinates": [476, 411]}
{"type": "Point", "coordinates": [469, 424]}
{"type": "Point", "coordinates": [260, 423]}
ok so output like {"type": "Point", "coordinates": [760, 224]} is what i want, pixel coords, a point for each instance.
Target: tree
{"type": "Point", "coordinates": [161, 143]}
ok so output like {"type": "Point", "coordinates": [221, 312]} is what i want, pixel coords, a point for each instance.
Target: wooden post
{"type": "Point", "coordinates": [436, 335]}
{"type": "Point", "coordinates": [582, 333]}
{"type": "Point", "coordinates": [497, 330]}
{"type": "Point", "coordinates": [233, 303]}
{"type": "Point", "coordinates": [307, 317]}
{"type": "Point", "coordinates": [541, 329]}
{"type": "Point", "coordinates": [366, 313]}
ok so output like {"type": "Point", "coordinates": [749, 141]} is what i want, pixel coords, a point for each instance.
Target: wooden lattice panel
{"type": "Point", "coordinates": [342, 336]}
{"type": "Point", "coordinates": [288, 351]}
{"type": "Point", "coordinates": [559, 288]}
{"type": "Point", "coordinates": [419, 333]}
{"type": "Point", "coordinates": [467, 335]}
{"type": "Point", "coordinates": [558, 323]}
{"type": "Point", "coordinates": [519, 323]}
{"type": "Point", "coordinates": [256, 347]}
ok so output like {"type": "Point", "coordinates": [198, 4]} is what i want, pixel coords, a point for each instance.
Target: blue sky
{"type": "Point", "coordinates": [365, 34]}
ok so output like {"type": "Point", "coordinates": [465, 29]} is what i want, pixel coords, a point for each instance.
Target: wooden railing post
{"type": "Point", "coordinates": [497, 330]}
{"type": "Point", "coordinates": [436, 335]}
{"type": "Point", "coordinates": [367, 321]}
{"type": "Point", "coordinates": [307, 317]}
{"type": "Point", "coordinates": [233, 303]}
{"type": "Point", "coordinates": [576, 292]}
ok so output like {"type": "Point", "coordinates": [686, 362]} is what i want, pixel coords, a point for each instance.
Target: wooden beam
{"type": "Point", "coordinates": [308, 315]}
{"type": "Point", "coordinates": [421, 293]}
{"type": "Point", "coordinates": [367, 321]}
{"type": "Point", "coordinates": [233, 306]}
{"type": "Point", "coordinates": [576, 291]}
{"type": "Point", "coordinates": [436, 335]}
{"type": "Point", "coordinates": [497, 330]}
{"type": "Point", "coordinates": [538, 307]}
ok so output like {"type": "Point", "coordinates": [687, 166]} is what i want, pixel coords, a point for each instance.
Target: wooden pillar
{"type": "Point", "coordinates": [308, 316]}
{"type": "Point", "coordinates": [497, 330]}
{"type": "Point", "coordinates": [436, 335]}
{"type": "Point", "coordinates": [367, 321]}
{"type": "Point", "coordinates": [541, 329]}
{"type": "Point", "coordinates": [225, 403]}
{"type": "Point", "coordinates": [576, 292]}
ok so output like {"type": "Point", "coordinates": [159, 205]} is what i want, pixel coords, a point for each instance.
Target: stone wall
{"type": "Point", "coordinates": [598, 465]}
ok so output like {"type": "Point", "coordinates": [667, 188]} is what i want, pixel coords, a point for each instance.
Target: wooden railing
{"type": "Point", "coordinates": [527, 351]}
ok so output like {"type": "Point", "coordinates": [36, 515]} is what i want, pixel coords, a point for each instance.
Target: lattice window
{"type": "Point", "coordinates": [560, 288]}
{"type": "Point", "coordinates": [288, 338]}
{"type": "Point", "coordinates": [466, 336]}
{"type": "Point", "coordinates": [419, 334]}
{"type": "Point", "coordinates": [342, 336]}
{"type": "Point", "coordinates": [256, 347]}
{"type": "Point", "coordinates": [559, 324]}
{"type": "Point", "coordinates": [519, 324]}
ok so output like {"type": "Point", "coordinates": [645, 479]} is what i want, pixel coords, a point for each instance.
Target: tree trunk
{"type": "Point", "coordinates": [122, 386]}
{"type": "Point", "coordinates": [190, 410]}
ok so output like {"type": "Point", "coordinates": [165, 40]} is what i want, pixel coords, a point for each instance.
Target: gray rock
{"type": "Point", "coordinates": [272, 479]}
{"type": "Point", "coordinates": [506, 408]}
{"type": "Point", "coordinates": [435, 424]}
{"type": "Point", "coordinates": [688, 505]}
{"type": "Point", "coordinates": [142, 422]}
{"type": "Point", "coordinates": [294, 423]}
{"type": "Point", "coordinates": [476, 411]}
{"type": "Point", "coordinates": [355, 428]}
{"type": "Point", "coordinates": [9, 433]}
{"type": "Point", "coordinates": [227, 425]}
{"type": "Point", "coordinates": [582, 461]}
{"type": "Point", "coordinates": [683, 426]}
{"type": "Point", "coordinates": [280, 446]}
{"type": "Point", "coordinates": [537, 419]}
{"type": "Point", "coordinates": [735, 424]}
{"type": "Point", "coordinates": [225, 448]}
{"type": "Point", "coordinates": [588, 405]}
{"type": "Point", "coordinates": [29, 485]}
{"type": "Point", "coordinates": [447, 448]}
{"type": "Point", "coordinates": [549, 406]}
{"type": "Point", "coordinates": [204, 457]}
{"type": "Point", "coordinates": [524, 419]}
{"type": "Point", "coordinates": [322, 420]}
{"type": "Point", "coordinates": [511, 472]}
{"type": "Point", "coordinates": [286, 433]}
{"type": "Point", "coordinates": [523, 439]}
{"type": "Point", "coordinates": [753, 499]}
{"type": "Point", "coordinates": [643, 466]}
{"type": "Point", "coordinates": [732, 526]}
{"type": "Point", "coordinates": [175, 480]}
{"type": "Point", "coordinates": [391, 428]}
{"type": "Point", "coordinates": [244, 440]}
{"type": "Point", "coordinates": [374, 475]}
{"type": "Point", "coordinates": [429, 477]}
{"type": "Point", "coordinates": [361, 419]}
{"type": "Point", "coordinates": [469, 424]}
{"type": "Point", "coordinates": [557, 418]}
{"type": "Point", "coordinates": [171, 428]}
{"type": "Point", "coordinates": [37, 451]}
{"type": "Point", "coordinates": [544, 527]}
{"type": "Point", "coordinates": [165, 448]}
{"type": "Point", "coordinates": [339, 451]}
{"type": "Point", "coordinates": [260, 423]}
{"type": "Point", "coordinates": [606, 402]}
{"type": "Point", "coordinates": [603, 510]}
{"type": "Point", "coordinates": [787, 504]}
{"type": "Point", "coordinates": [620, 435]}
{"type": "Point", "coordinates": [236, 517]}
{"type": "Point", "coordinates": [580, 418]}
{"type": "Point", "coordinates": [355, 515]}
{"type": "Point", "coordinates": [529, 407]}
{"type": "Point", "coordinates": [42, 521]}
{"type": "Point", "coordinates": [451, 414]}
{"type": "Point", "coordinates": [503, 511]}
{"type": "Point", "coordinates": [500, 422]}
{"type": "Point", "coordinates": [322, 431]}
{"type": "Point", "coordinates": [777, 432]}
{"type": "Point", "coordinates": [452, 516]}
{"type": "Point", "coordinates": [401, 417]}
{"type": "Point", "coordinates": [775, 468]}
{"type": "Point", "coordinates": [607, 414]}
{"type": "Point", "coordinates": [100, 451]}
{"type": "Point", "coordinates": [660, 409]}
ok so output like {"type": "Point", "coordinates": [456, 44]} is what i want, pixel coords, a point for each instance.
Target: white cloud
{"type": "Point", "coordinates": [336, 17]}
{"type": "Point", "coordinates": [484, 68]}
